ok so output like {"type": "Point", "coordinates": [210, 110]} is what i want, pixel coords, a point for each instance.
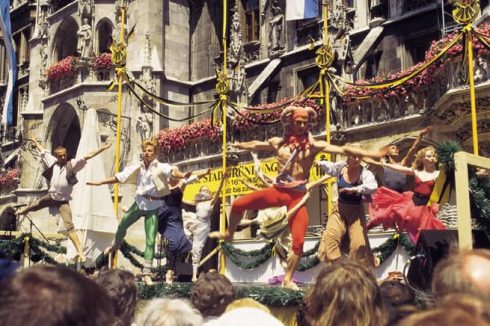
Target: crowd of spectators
{"type": "Point", "coordinates": [346, 292]}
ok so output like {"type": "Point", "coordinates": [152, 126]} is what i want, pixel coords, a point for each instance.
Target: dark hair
{"type": "Point", "coordinates": [345, 291]}
{"type": "Point", "coordinates": [211, 293]}
{"type": "Point", "coordinates": [53, 296]}
{"type": "Point", "coordinates": [396, 293]}
{"type": "Point", "coordinates": [121, 288]}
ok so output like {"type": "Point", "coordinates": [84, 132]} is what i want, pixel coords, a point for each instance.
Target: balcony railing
{"type": "Point", "coordinates": [355, 115]}
{"type": "Point", "coordinates": [84, 74]}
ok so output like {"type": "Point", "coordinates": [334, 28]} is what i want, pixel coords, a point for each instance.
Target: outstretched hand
{"type": "Point", "coordinates": [109, 144]}
{"type": "Point", "coordinates": [426, 130]}
{"type": "Point", "coordinates": [93, 183]}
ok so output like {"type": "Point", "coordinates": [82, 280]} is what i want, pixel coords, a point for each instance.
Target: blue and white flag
{"type": "Point", "coordinates": [301, 9]}
{"type": "Point", "coordinates": [8, 107]}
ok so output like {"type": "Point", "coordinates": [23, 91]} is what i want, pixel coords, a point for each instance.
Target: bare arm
{"type": "Point", "coordinates": [254, 145]}
{"type": "Point", "coordinates": [323, 146]}
{"type": "Point", "coordinates": [216, 195]}
{"type": "Point", "coordinates": [249, 186]}
{"type": "Point", "coordinates": [103, 182]}
{"type": "Point", "coordinates": [195, 177]}
{"type": "Point", "coordinates": [318, 182]}
{"type": "Point", "coordinates": [354, 151]}
{"type": "Point", "coordinates": [415, 144]}
{"type": "Point", "coordinates": [399, 168]}
{"type": "Point", "coordinates": [189, 202]}
{"type": "Point", "coordinates": [177, 174]}
{"type": "Point", "coordinates": [296, 207]}
{"type": "Point", "coordinates": [97, 152]}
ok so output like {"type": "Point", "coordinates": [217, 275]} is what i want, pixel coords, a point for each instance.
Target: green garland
{"type": "Point", "coordinates": [270, 296]}
{"type": "Point", "coordinates": [479, 186]}
{"type": "Point", "coordinates": [127, 248]}
{"type": "Point", "coordinates": [264, 254]}
{"type": "Point", "coordinates": [235, 255]}
{"type": "Point", "coordinates": [307, 263]}
{"type": "Point", "coordinates": [387, 248]}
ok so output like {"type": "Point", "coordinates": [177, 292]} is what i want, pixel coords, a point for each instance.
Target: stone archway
{"type": "Point", "coordinates": [64, 129]}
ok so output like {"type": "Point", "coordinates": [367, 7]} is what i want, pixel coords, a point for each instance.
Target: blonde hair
{"type": "Point", "coordinates": [149, 142]}
{"type": "Point", "coordinates": [417, 163]}
{"type": "Point", "coordinates": [346, 290]}
{"type": "Point", "coordinates": [247, 303]}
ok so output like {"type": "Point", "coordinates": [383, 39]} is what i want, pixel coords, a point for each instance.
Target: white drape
{"type": "Point", "coordinates": [92, 207]}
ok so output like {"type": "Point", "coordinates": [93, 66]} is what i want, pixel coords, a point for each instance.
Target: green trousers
{"type": "Point", "coordinates": [151, 228]}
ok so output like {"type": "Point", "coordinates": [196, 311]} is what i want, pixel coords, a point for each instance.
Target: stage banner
{"type": "Point", "coordinates": [246, 172]}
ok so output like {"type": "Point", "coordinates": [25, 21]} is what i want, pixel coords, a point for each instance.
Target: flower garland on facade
{"type": "Point", "coordinates": [179, 138]}
{"type": "Point", "coordinates": [176, 139]}
{"type": "Point", "coordinates": [67, 67]}
{"type": "Point", "coordinates": [9, 180]}
{"type": "Point", "coordinates": [102, 62]}
{"type": "Point", "coordinates": [423, 79]}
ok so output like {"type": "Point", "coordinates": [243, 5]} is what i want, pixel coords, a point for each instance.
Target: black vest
{"type": "Point", "coordinates": [71, 177]}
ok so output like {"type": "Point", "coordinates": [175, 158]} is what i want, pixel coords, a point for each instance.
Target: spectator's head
{"type": "Point", "coordinates": [169, 312]}
{"type": "Point", "coordinates": [450, 316]}
{"type": "Point", "coordinates": [245, 317]}
{"type": "Point", "coordinates": [468, 303]}
{"type": "Point", "coordinates": [345, 291]}
{"type": "Point", "coordinates": [465, 272]}
{"type": "Point", "coordinates": [211, 293]}
{"type": "Point", "coordinates": [121, 288]}
{"type": "Point", "coordinates": [247, 303]}
{"type": "Point", "coordinates": [53, 295]}
{"type": "Point", "coordinates": [396, 293]}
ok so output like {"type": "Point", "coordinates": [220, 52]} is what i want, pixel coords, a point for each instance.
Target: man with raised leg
{"type": "Point", "coordinates": [61, 176]}
{"type": "Point", "coordinates": [295, 153]}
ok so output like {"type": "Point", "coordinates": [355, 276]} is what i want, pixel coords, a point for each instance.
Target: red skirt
{"type": "Point", "coordinates": [397, 210]}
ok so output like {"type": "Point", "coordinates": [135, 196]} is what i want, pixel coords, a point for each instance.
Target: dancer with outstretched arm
{"type": "Point", "coordinates": [171, 225]}
{"type": "Point", "coordinates": [152, 183]}
{"type": "Point", "coordinates": [295, 153]}
{"type": "Point", "coordinates": [409, 211]}
{"type": "Point", "coordinates": [200, 226]}
{"type": "Point", "coordinates": [61, 177]}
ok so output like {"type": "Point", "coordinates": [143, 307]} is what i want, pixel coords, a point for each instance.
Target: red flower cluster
{"type": "Point", "coordinates": [9, 179]}
{"type": "Point", "coordinates": [181, 137]}
{"type": "Point", "coordinates": [423, 79]}
{"type": "Point", "coordinates": [102, 62]}
{"type": "Point", "coordinates": [248, 118]}
{"type": "Point", "coordinates": [66, 67]}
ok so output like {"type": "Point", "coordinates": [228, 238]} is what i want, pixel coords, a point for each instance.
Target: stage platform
{"type": "Point", "coordinates": [273, 267]}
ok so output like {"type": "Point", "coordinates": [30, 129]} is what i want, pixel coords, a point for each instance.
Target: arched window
{"type": "Point", "coordinates": [65, 40]}
{"type": "Point", "coordinates": [64, 129]}
{"type": "Point", "coordinates": [104, 36]}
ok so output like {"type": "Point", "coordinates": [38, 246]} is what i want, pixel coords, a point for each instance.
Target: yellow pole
{"type": "Point", "coordinates": [325, 22]}
{"type": "Point", "coordinates": [223, 98]}
{"type": "Point", "coordinates": [474, 125]}
{"type": "Point", "coordinates": [120, 74]}
{"type": "Point", "coordinates": [326, 88]}
{"type": "Point", "coordinates": [120, 71]}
